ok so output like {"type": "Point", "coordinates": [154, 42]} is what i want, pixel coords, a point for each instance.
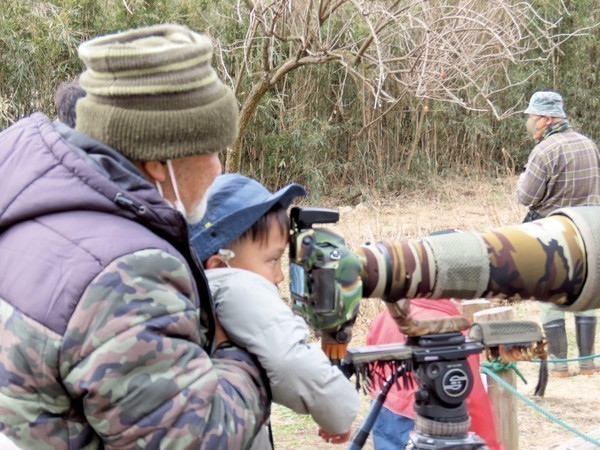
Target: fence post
{"type": "Point", "coordinates": [469, 307]}
{"type": "Point", "coordinates": [503, 402]}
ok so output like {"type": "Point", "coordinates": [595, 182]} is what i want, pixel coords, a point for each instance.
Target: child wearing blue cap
{"type": "Point", "coordinates": [241, 240]}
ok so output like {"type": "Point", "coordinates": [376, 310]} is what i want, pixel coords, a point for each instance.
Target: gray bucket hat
{"type": "Point", "coordinates": [546, 103]}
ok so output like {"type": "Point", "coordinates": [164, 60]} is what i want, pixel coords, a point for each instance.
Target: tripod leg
{"type": "Point", "coordinates": [360, 437]}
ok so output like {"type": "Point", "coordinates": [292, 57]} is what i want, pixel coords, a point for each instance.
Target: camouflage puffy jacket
{"type": "Point", "coordinates": [101, 342]}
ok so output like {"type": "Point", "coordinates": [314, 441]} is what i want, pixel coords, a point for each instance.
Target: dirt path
{"type": "Point", "coordinates": [468, 205]}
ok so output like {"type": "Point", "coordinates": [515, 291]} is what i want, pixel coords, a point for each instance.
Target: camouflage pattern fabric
{"type": "Point", "coordinates": [130, 372]}
{"type": "Point", "coordinates": [544, 260]}
{"type": "Point", "coordinates": [400, 312]}
{"type": "Point", "coordinates": [330, 314]}
{"type": "Point", "coordinates": [410, 272]}
{"type": "Point", "coordinates": [393, 271]}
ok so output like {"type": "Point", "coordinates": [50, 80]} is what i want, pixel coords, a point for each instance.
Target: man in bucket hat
{"type": "Point", "coordinates": [562, 170]}
{"type": "Point", "coordinates": [107, 333]}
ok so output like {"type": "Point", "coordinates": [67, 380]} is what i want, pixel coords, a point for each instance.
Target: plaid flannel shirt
{"type": "Point", "coordinates": [562, 170]}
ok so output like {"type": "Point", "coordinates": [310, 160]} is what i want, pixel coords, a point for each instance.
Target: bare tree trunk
{"type": "Point", "coordinates": [233, 161]}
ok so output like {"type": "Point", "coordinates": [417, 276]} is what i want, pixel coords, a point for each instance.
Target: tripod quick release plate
{"type": "Point", "coordinates": [381, 352]}
{"type": "Point", "coordinates": [505, 332]}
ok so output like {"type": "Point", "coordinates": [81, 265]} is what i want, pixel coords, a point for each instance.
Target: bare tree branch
{"type": "Point", "coordinates": [457, 51]}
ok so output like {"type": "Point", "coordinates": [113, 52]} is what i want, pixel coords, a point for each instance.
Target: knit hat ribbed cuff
{"type": "Point", "coordinates": [160, 135]}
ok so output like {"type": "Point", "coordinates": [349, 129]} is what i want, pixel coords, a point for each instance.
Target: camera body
{"type": "Point", "coordinates": [325, 281]}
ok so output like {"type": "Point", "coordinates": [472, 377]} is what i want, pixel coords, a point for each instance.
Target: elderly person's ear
{"type": "Point", "coordinates": [155, 169]}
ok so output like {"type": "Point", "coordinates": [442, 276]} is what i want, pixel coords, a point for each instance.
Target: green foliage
{"type": "Point", "coordinates": [39, 39]}
{"type": "Point", "coordinates": [313, 127]}
{"type": "Point", "coordinates": [288, 152]}
{"type": "Point", "coordinates": [451, 140]}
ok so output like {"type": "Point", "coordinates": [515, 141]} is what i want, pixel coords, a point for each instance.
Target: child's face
{"type": "Point", "coordinates": [262, 257]}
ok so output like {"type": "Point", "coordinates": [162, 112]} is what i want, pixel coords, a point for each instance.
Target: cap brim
{"type": "Point", "coordinates": [235, 224]}
{"type": "Point", "coordinates": [287, 194]}
{"type": "Point", "coordinates": [247, 217]}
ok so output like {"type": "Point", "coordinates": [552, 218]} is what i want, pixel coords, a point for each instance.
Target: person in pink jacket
{"type": "Point", "coordinates": [396, 419]}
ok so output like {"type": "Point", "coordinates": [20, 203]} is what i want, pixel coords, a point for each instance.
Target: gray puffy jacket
{"type": "Point", "coordinates": [302, 378]}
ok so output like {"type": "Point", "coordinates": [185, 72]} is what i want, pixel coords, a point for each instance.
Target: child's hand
{"type": "Point", "coordinates": [335, 438]}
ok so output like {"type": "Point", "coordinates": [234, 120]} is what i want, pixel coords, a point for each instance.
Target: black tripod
{"type": "Point", "coordinates": [445, 380]}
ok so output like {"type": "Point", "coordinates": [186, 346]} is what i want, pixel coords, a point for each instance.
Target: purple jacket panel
{"type": "Point", "coordinates": [47, 263]}
{"type": "Point", "coordinates": [69, 206]}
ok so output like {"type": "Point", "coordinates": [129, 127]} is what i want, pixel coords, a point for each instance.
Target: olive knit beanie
{"type": "Point", "coordinates": [153, 95]}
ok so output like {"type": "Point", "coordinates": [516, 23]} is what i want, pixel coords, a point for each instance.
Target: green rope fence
{"type": "Point", "coordinates": [581, 358]}
{"type": "Point", "coordinates": [492, 368]}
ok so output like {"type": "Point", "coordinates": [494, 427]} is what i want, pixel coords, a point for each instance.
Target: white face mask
{"type": "Point", "coordinates": [200, 209]}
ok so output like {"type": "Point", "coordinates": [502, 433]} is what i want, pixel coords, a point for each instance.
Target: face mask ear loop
{"type": "Point", "coordinates": [159, 188]}
{"type": "Point", "coordinates": [226, 254]}
{"type": "Point", "coordinates": [178, 204]}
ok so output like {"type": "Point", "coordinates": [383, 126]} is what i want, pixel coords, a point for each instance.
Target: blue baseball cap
{"type": "Point", "coordinates": [546, 103]}
{"type": "Point", "coordinates": [235, 203]}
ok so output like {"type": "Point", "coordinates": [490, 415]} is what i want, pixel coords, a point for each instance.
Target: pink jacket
{"type": "Point", "coordinates": [383, 330]}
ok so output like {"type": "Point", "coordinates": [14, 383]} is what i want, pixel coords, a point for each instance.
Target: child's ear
{"type": "Point", "coordinates": [214, 262]}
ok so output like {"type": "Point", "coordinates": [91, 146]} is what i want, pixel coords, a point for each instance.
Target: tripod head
{"type": "Point", "coordinates": [439, 363]}
{"type": "Point", "coordinates": [445, 379]}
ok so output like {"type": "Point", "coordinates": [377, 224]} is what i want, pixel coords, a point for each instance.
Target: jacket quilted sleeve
{"type": "Point", "coordinates": [133, 356]}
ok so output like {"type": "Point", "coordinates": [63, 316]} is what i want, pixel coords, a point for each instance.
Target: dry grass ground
{"type": "Point", "coordinates": [473, 204]}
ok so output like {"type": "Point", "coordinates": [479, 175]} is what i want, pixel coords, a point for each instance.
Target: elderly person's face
{"type": "Point", "coordinates": [536, 125]}
{"type": "Point", "coordinates": [193, 175]}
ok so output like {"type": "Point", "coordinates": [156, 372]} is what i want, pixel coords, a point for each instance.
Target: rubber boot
{"type": "Point", "coordinates": [585, 328]}
{"type": "Point", "coordinates": [557, 347]}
